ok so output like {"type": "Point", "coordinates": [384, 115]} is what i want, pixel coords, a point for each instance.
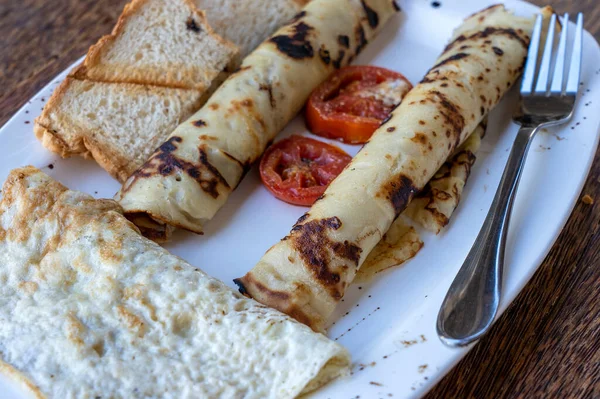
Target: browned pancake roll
{"type": "Point", "coordinates": [306, 274]}
{"type": "Point", "coordinates": [189, 177]}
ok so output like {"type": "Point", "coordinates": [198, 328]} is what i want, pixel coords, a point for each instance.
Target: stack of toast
{"type": "Point", "coordinates": [160, 64]}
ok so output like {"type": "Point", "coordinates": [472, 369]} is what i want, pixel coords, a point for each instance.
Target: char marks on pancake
{"type": "Point", "coordinates": [298, 16]}
{"type": "Point", "coordinates": [451, 114]}
{"type": "Point", "coordinates": [269, 89]}
{"type": "Point", "coordinates": [399, 191]}
{"type": "Point", "coordinates": [279, 300]}
{"type": "Point", "coordinates": [324, 55]}
{"type": "Point", "coordinates": [314, 245]}
{"type": "Point", "coordinates": [420, 138]}
{"type": "Point", "coordinates": [301, 219]}
{"type": "Point", "coordinates": [249, 280]}
{"type": "Point", "coordinates": [372, 16]}
{"type": "Point", "coordinates": [518, 35]}
{"type": "Point", "coordinates": [484, 10]}
{"type": "Point", "coordinates": [344, 41]}
{"type": "Point", "coordinates": [455, 57]}
{"type": "Point", "coordinates": [361, 39]}
{"type": "Point", "coordinates": [296, 45]}
{"type": "Point", "coordinates": [337, 63]}
{"type": "Point", "coordinates": [164, 162]}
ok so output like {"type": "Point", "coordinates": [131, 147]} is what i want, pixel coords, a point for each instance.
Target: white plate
{"type": "Point", "coordinates": [389, 324]}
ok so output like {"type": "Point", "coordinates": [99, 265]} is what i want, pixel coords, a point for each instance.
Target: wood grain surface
{"type": "Point", "coordinates": [546, 345]}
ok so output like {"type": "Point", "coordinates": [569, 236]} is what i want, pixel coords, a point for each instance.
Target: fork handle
{"type": "Point", "coordinates": [474, 296]}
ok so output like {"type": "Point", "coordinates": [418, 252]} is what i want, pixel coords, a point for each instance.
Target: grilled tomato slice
{"type": "Point", "coordinates": [352, 103]}
{"type": "Point", "coordinates": [298, 169]}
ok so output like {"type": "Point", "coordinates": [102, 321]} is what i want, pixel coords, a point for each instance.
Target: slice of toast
{"type": "Point", "coordinates": [159, 65]}
{"type": "Point", "coordinates": [117, 124]}
{"type": "Point", "coordinates": [162, 43]}
{"type": "Point", "coordinates": [247, 23]}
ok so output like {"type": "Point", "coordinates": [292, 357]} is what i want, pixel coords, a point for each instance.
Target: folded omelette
{"type": "Point", "coordinates": [306, 274]}
{"type": "Point", "coordinates": [91, 309]}
{"type": "Point", "coordinates": [190, 176]}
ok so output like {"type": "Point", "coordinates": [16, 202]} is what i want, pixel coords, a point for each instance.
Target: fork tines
{"type": "Point", "coordinates": [549, 74]}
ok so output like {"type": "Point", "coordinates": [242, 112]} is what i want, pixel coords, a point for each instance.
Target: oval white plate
{"type": "Point", "coordinates": [389, 324]}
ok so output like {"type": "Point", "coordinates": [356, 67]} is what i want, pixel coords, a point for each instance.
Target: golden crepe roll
{"type": "Point", "coordinates": [306, 274]}
{"type": "Point", "coordinates": [189, 177]}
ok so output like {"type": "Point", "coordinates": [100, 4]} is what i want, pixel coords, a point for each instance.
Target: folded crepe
{"type": "Point", "coordinates": [431, 208]}
{"type": "Point", "coordinates": [399, 244]}
{"type": "Point", "coordinates": [306, 274]}
{"type": "Point", "coordinates": [190, 176]}
{"type": "Point", "coordinates": [91, 309]}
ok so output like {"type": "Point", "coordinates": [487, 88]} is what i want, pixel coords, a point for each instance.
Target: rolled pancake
{"type": "Point", "coordinates": [189, 177]}
{"type": "Point", "coordinates": [89, 308]}
{"type": "Point", "coordinates": [431, 208]}
{"type": "Point", "coordinates": [306, 274]}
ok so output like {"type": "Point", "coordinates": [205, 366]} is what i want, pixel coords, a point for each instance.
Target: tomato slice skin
{"type": "Point", "coordinates": [344, 107]}
{"type": "Point", "coordinates": [298, 169]}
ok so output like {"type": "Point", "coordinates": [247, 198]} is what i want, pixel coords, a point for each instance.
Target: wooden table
{"type": "Point", "coordinates": [547, 344]}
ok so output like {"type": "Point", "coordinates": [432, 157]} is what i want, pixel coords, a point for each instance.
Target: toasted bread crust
{"type": "Point", "coordinates": [50, 138]}
{"type": "Point", "coordinates": [53, 140]}
{"type": "Point", "coordinates": [117, 164]}
{"type": "Point", "coordinates": [76, 141]}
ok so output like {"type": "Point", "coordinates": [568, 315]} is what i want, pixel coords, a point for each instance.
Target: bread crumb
{"type": "Point", "coordinates": [587, 200]}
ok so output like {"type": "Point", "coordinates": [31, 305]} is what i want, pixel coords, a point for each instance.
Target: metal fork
{"type": "Point", "coordinates": [472, 301]}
